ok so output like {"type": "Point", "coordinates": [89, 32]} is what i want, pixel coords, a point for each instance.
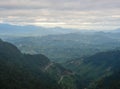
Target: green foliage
{"type": "Point", "coordinates": [19, 71]}
{"type": "Point", "coordinates": [69, 82]}
{"type": "Point", "coordinates": [25, 71]}
{"type": "Point", "coordinates": [92, 68]}
{"type": "Point", "coordinates": [108, 82]}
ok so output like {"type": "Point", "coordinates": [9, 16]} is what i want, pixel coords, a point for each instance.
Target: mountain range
{"type": "Point", "coordinates": [26, 71]}
{"type": "Point", "coordinates": [63, 47]}
{"type": "Point", "coordinates": [34, 57]}
{"type": "Point", "coordinates": [29, 30]}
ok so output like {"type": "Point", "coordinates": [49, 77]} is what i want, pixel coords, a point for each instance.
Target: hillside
{"type": "Point", "coordinates": [28, 71]}
{"type": "Point", "coordinates": [25, 71]}
{"type": "Point", "coordinates": [92, 68]}
{"type": "Point", "coordinates": [109, 82]}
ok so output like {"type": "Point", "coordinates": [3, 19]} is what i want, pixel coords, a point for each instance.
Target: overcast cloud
{"type": "Point", "coordinates": [81, 14]}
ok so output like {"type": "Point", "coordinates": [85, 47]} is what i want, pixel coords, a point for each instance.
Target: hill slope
{"type": "Point", "coordinates": [24, 71]}
{"type": "Point", "coordinates": [108, 82]}
{"type": "Point", "coordinates": [92, 68]}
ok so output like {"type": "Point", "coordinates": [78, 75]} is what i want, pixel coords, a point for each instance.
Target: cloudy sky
{"type": "Point", "coordinates": [81, 14]}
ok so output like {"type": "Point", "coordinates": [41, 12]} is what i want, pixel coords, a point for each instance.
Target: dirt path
{"type": "Point", "coordinates": [61, 78]}
{"type": "Point", "coordinates": [48, 66]}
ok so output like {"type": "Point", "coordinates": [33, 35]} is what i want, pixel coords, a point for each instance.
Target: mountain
{"type": "Point", "coordinates": [59, 44]}
{"type": "Point", "coordinates": [109, 82]}
{"type": "Point", "coordinates": [117, 30]}
{"type": "Point", "coordinates": [29, 30]}
{"type": "Point", "coordinates": [25, 71]}
{"type": "Point", "coordinates": [63, 47]}
{"type": "Point", "coordinates": [15, 72]}
{"type": "Point", "coordinates": [92, 68]}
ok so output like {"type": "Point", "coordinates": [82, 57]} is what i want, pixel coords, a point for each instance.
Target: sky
{"type": "Point", "coordinates": [80, 14]}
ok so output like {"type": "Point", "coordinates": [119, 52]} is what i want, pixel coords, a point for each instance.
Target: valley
{"type": "Point", "coordinates": [82, 60]}
{"type": "Point", "coordinates": [59, 44]}
{"type": "Point", "coordinates": [64, 47]}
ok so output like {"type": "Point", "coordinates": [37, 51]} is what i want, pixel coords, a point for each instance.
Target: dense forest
{"type": "Point", "coordinates": [96, 67]}
{"type": "Point", "coordinates": [26, 71]}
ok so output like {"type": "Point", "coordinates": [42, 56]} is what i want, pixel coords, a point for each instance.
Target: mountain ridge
{"type": "Point", "coordinates": [25, 71]}
{"type": "Point", "coordinates": [95, 67]}
{"type": "Point", "coordinates": [30, 30]}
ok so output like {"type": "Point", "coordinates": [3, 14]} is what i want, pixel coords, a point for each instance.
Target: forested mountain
{"type": "Point", "coordinates": [87, 57]}
{"type": "Point", "coordinates": [24, 71]}
{"type": "Point", "coordinates": [109, 82]}
{"type": "Point", "coordinates": [59, 44]}
{"type": "Point", "coordinates": [61, 48]}
{"type": "Point", "coordinates": [93, 68]}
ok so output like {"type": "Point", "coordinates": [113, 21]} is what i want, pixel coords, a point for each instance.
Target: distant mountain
{"type": "Point", "coordinates": [65, 47]}
{"type": "Point", "coordinates": [93, 68]}
{"type": "Point", "coordinates": [117, 30]}
{"type": "Point", "coordinates": [24, 71]}
{"type": "Point", "coordinates": [29, 30]}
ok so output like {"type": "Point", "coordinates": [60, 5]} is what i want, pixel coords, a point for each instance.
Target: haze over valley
{"type": "Point", "coordinates": [65, 44]}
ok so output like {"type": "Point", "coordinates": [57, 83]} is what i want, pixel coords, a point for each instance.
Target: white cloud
{"type": "Point", "coordinates": [89, 14]}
